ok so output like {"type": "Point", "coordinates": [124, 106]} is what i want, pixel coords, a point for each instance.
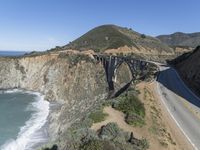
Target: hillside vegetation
{"type": "Point", "coordinates": [181, 39]}
{"type": "Point", "coordinates": [106, 37]}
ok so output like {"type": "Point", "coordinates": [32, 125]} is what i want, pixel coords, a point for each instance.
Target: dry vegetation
{"type": "Point", "coordinates": [158, 129]}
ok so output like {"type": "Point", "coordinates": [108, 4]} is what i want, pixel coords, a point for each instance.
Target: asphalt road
{"type": "Point", "coordinates": [175, 95]}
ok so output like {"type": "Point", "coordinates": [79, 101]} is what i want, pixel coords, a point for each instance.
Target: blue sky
{"type": "Point", "coordinates": [43, 24]}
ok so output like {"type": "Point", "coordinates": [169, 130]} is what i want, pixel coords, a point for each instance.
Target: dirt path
{"type": "Point", "coordinates": [117, 117]}
{"type": "Point", "coordinates": [160, 129]}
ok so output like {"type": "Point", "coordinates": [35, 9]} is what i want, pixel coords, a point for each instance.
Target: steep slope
{"type": "Point", "coordinates": [107, 37]}
{"type": "Point", "coordinates": [63, 79]}
{"type": "Point", "coordinates": [188, 66]}
{"type": "Point", "coordinates": [73, 82]}
{"type": "Point", "coordinates": [101, 38]}
{"type": "Point", "coordinates": [181, 39]}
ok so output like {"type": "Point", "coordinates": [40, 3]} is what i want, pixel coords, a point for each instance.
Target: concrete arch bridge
{"type": "Point", "coordinates": [136, 69]}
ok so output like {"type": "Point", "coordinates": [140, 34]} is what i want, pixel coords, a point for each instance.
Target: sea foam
{"type": "Point", "coordinates": [30, 134]}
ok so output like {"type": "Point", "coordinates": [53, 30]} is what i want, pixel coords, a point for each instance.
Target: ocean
{"type": "Point", "coordinates": [12, 53]}
{"type": "Point", "coordinates": [22, 116]}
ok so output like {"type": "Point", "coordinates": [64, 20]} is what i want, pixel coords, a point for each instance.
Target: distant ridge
{"type": "Point", "coordinates": [106, 37]}
{"type": "Point", "coordinates": [181, 39]}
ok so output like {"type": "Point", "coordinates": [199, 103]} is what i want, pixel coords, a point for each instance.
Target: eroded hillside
{"type": "Point", "coordinates": [72, 81]}
{"type": "Point", "coordinates": [188, 66]}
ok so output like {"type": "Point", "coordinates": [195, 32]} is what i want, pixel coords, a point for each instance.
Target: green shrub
{"type": "Point", "coordinates": [134, 119]}
{"type": "Point", "coordinates": [111, 131]}
{"type": "Point", "coordinates": [93, 145]}
{"type": "Point", "coordinates": [131, 104]}
{"type": "Point", "coordinates": [75, 58]}
{"type": "Point", "coordinates": [98, 116]}
{"type": "Point", "coordinates": [143, 36]}
{"type": "Point", "coordinates": [133, 108]}
{"type": "Point", "coordinates": [54, 147]}
{"type": "Point", "coordinates": [144, 144]}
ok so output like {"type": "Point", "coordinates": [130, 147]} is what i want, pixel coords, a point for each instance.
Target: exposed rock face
{"type": "Point", "coordinates": [75, 84]}
{"type": "Point", "coordinates": [49, 74]}
{"type": "Point", "coordinates": [123, 76]}
{"type": "Point", "coordinates": [146, 53]}
{"type": "Point", "coordinates": [188, 66]}
{"type": "Point", "coordinates": [179, 50]}
{"type": "Point", "coordinates": [74, 81]}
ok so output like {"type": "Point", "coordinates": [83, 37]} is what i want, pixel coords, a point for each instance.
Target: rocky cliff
{"type": "Point", "coordinates": [188, 66]}
{"type": "Point", "coordinates": [74, 82]}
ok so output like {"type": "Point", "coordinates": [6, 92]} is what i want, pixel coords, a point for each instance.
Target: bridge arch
{"type": "Point", "coordinates": [111, 64]}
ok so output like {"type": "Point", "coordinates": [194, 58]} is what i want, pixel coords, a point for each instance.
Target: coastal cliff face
{"type": "Point", "coordinates": [188, 67]}
{"type": "Point", "coordinates": [74, 83]}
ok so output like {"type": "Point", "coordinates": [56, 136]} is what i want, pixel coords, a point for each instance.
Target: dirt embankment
{"type": "Point", "coordinates": [159, 129]}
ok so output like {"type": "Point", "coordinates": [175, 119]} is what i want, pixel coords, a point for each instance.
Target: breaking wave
{"type": "Point", "coordinates": [31, 134]}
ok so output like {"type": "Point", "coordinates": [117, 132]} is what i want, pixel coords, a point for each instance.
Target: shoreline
{"type": "Point", "coordinates": [46, 129]}
{"type": "Point", "coordinates": [34, 133]}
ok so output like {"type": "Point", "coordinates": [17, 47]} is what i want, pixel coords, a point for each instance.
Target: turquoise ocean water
{"type": "Point", "coordinates": [12, 53]}
{"type": "Point", "coordinates": [14, 113]}
{"type": "Point", "coordinates": [23, 115]}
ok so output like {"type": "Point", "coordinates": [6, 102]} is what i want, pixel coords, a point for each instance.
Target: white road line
{"type": "Point", "coordinates": [159, 92]}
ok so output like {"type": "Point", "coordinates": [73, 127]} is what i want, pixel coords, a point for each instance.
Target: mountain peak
{"type": "Point", "coordinates": [111, 36]}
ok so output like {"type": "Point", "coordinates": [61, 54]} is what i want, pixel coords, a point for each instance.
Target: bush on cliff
{"type": "Point", "coordinates": [134, 119]}
{"type": "Point", "coordinates": [98, 116]}
{"type": "Point", "coordinates": [75, 58]}
{"type": "Point", "coordinates": [109, 137]}
{"type": "Point", "coordinates": [93, 145]}
{"type": "Point", "coordinates": [54, 147]}
{"type": "Point", "coordinates": [133, 109]}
